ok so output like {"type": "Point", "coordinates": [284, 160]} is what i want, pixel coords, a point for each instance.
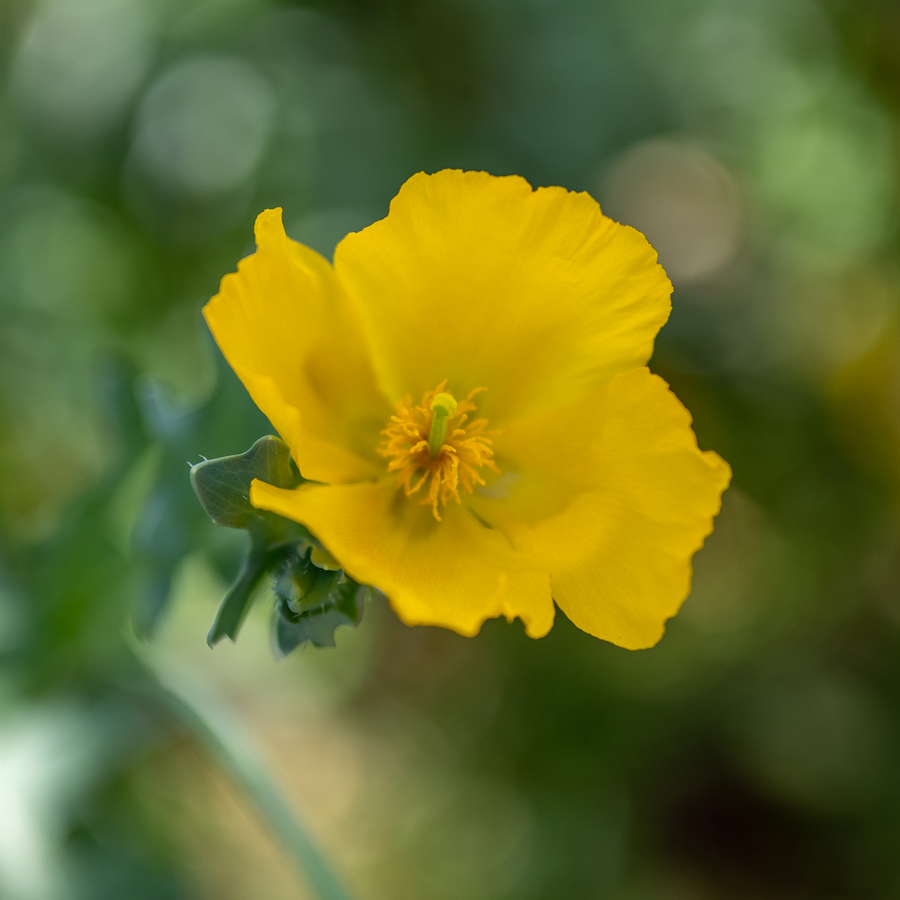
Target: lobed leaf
{"type": "Point", "coordinates": [223, 485]}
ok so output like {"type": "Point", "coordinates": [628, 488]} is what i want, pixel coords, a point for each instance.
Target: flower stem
{"type": "Point", "coordinates": [212, 725]}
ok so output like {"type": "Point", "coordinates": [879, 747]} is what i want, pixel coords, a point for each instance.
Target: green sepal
{"type": "Point", "coordinates": [223, 485]}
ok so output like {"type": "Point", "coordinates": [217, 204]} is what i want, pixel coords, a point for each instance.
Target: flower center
{"type": "Point", "coordinates": [436, 443]}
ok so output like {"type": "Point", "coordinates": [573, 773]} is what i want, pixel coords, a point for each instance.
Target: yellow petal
{"type": "Point", "coordinates": [535, 295]}
{"type": "Point", "coordinates": [284, 325]}
{"type": "Point", "coordinates": [455, 573]}
{"type": "Point", "coordinates": [616, 497]}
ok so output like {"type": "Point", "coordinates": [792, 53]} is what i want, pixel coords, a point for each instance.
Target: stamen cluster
{"type": "Point", "coordinates": [454, 468]}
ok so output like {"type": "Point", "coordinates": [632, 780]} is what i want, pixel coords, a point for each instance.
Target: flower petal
{"type": "Point", "coordinates": [455, 573]}
{"type": "Point", "coordinates": [284, 325]}
{"type": "Point", "coordinates": [535, 295]}
{"type": "Point", "coordinates": [616, 497]}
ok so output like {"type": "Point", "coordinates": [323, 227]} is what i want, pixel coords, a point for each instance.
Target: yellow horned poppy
{"type": "Point", "coordinates": [465, 389]}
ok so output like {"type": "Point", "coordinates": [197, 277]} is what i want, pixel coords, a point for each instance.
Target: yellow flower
{"type": "Point", "coordinates": [466, 386]}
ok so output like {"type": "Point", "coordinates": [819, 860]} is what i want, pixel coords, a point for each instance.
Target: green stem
{"type": "Point", "coordinates": [222, 738]}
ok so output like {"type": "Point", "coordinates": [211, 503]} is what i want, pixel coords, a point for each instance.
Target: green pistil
{"type": "Point", "coordinates": [444, 406]}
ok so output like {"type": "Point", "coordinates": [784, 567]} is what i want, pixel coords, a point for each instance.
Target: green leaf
{"type": "Point", "coordinates": [261, 558]}
{"type": "Point", "coordinates": [223, 485]}
{"type": "Point", "coordinates": [302, 584]}
{"type": "Point", "coordinates": [313, 595]}
{"type": "Point", "coordinates": [311, 603]}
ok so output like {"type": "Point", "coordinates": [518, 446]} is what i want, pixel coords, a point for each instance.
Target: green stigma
{"type": "Point", "coordinates": [444, 406]}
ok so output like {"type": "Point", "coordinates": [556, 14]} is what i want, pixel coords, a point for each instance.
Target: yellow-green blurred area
{"type": "Point", "coordinates": [755, 753]}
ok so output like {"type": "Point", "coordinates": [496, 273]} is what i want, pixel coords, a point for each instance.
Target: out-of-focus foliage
{"type": "Point", "coordinates": [753, 753]}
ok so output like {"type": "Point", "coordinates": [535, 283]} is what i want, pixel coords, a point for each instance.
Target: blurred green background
{"type": "Point", "coordinates": [755, 753]}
